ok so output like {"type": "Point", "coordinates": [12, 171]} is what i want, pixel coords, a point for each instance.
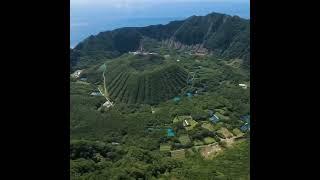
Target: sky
{"type": "Point", "coordinates": [89, 17]}
{"type": "Point", "coordinates": [128, 3]}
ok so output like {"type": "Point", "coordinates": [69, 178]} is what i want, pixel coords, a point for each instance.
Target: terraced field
{"type": "Point", "coordinates": [155, 81]}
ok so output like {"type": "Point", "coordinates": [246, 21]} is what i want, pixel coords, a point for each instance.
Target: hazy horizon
{"type": "Point", "coordinates": [90, 18]}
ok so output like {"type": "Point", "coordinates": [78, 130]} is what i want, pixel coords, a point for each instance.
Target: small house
{"type": "Point", "coordinates": [96, 94]}
{"type": "Point", "coordinates": [77, 73]}
{"type": "Point", "coordinates": [245, 127]}
{"type": "Point", "coordinates": [214, 118]}
{"type": "Point", "coordinates": [244, 86]}
{"type": "Point", "coordinates": [107, 104]}
{"type": "Point", "coordinates": [186, 123]}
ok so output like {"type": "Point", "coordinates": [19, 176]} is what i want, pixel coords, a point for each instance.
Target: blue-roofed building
{"type": "Point", "coordinates": [96, 94]}
{"type": "Point", "coordinates": [83, 79]}
{"type": "Point", "coordinates": [245, 127]}
{"type": "Point", "coordinates": [170, 132]}
{"type": "Point", "coordinates": [245, 118]}
{"type": "Point", "coordinates": [189, 94]}
{"type": "Point", "coordinates": [214, 118]}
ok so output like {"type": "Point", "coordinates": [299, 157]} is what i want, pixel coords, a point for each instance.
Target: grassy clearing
{"type": "Point", "coordinates": [178, 154]}
{"type": "Point", "coordinates": [208, 140]}
{"type": "Point", "coordinates": [197, 142]}
{"type": "Point", "coordinates": [165, 147]}
{"type": "Point", "coordinates": [208, 125]}
{"type": "Point", "coordinates": [224, 133]}
{"type": "Point", "coordinates": [237, 132]}
{"type": "Point", "coordinates": [210, 151]}
{"type": "Point", "coordinates": [176, 120]}
{"type": "Point", "coordinates": [184, 139]}
{"type": "Point", "coordinates": [193, 123]}
{"type": "Point", "coordinates": [181, 118]}
{"type": "Point", "coordinates": [234, 162]}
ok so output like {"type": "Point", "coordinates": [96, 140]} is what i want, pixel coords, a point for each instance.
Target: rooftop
{"type": "Point", "coordinates": [214, 118]}
{"type": "Point", "coordinates": [170, 132]}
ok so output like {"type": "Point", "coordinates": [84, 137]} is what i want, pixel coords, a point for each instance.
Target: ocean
{"type": "Point", "coordinates": [90, 20]}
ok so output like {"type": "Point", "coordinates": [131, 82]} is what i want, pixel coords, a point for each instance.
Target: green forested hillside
{"type": "Point", "coordinates": [223, 35]}
{"type": "Point", "coordinates": [95, 134]}
{"type": "Point", "coordinates": [177, 115]}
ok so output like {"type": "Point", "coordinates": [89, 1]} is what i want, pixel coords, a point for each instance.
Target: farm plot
{"type": "Point", "coordinates": [208, 140]}
{"type": "Point", "coordinates": [208, 125]}
{"type": "Point", "coordinates": [193, 123]}
{"type": "Point", "coordinates": [184, 139]}
{"type": "Point", "coordinates": [224, 133]}
{"type": "Point", "coordinates": [181, 118]}
{"type": "Point", "coordinates": [165, 147]}
{"type": "Point", "coordinates": [178, 154]}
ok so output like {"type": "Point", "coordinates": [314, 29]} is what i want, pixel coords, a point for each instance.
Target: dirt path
{"type": "Point", "coordinates": [104, 83]}
{"type": "Point", "coordinates": [105, 88]}
{"type": "Point", "coordinates": [212, 150]}
{"type": "Point", "coordinates": [200, 146]}
{"type": "Point", "coordinates": [101, 91]}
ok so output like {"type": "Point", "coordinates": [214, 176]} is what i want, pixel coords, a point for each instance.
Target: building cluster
{"type": "Point", "coordinates": [244, 86]}
{"type": "Point", "coordinates": [108, 104]}
{"type": "Point", "coordinates": [76, 74]}
{"type": "Point", "coordinates": [142, 53]}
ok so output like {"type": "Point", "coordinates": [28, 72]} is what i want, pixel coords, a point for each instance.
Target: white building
{"type": "Point", "coordinates": [142, 53]}
{"type": "Point", "coordinates": [107, 104]}
{"type": "Point", "coordinates": [96, 94]}
{"type": "Point", "coordinates": [77, 73]}
{"type": "Point", "coordinates": [244, 86]}
{"type": "Point", "coordinates": [135, 52]}
{"type": "Point", "coordinates": [186, 123]}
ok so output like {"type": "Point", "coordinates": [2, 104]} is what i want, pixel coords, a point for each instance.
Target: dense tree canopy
{"type": "Point", "coordinates": [144, 135]}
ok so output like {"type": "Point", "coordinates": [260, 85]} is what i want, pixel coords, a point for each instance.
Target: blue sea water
{"type": "Point", "coordinates": [90, 20]}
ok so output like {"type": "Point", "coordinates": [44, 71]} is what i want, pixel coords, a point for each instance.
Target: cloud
{"type": "Point", "coordinates": [131, 3]}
